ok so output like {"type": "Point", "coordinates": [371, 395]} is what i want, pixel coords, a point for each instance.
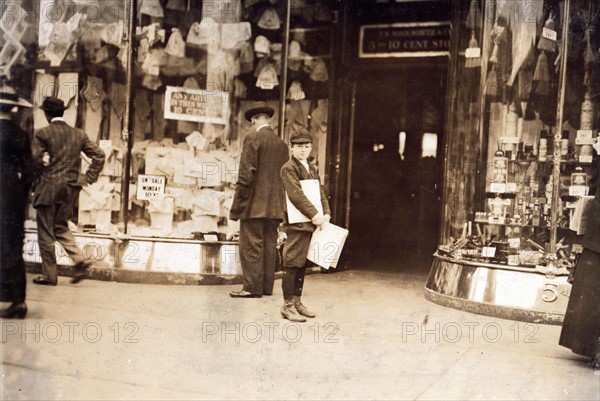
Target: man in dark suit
{"type": "Point", "coordinates": [259, 203]}
{"type": "Point", "coordinates": [16, 176]}
{"type": "Point", "coordinates": [56, 150]}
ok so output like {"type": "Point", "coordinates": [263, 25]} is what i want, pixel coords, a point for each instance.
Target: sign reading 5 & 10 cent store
{"type": "Point", "coordinates": [421, 39]}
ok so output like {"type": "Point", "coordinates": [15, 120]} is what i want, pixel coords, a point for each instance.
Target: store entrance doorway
{"type": "Point", "coordinates": [397, 165]}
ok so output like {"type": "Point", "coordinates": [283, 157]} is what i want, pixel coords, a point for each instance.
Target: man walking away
{"type": "Point", "coordinates": [56, 151]}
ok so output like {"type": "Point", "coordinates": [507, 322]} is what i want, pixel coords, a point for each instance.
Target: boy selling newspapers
{"type": "Point", "coordinates": [298, 177]}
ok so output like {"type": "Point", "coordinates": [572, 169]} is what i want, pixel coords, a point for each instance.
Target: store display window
{"type": "Point", "coordinates": [532, 79]}
{"type": "Point", "coordinates": [197, 66]}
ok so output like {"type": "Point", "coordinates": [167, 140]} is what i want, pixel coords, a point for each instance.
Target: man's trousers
{"type": "Point", "coordinates": [258, 240]}
{"type": "Point", "coordinates": [53, 226]}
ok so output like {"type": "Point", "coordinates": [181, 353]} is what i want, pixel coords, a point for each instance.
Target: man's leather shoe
{"type": "Point", "coordinates": [81, 269]}
{"type": "Point", "coordinates": [43, 281]}
{"type": "Point", "coordinates": [243, 294]}
{"type": "Point", "coordinates": [16, 309]}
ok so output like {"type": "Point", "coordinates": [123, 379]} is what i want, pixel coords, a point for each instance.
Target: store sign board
{"type": "Point", "coordinates": [420, 39]}
{"type": "Point", "coordinates": [196, 105]}
{"type": "Point", "coordinates": [151, 186]}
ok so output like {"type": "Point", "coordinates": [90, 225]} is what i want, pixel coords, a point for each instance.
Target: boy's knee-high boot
{"type": "Point", "coordinates": [287, 311]}
{"type": "Point", "coordinates": [301, 309]}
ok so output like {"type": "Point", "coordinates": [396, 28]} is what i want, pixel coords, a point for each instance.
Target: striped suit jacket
{"type": "Point", "coordinates": [64, 144]}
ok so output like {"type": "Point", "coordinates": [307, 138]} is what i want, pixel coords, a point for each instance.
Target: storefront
{"type": "Point", "coordinates": [162, 86]}
{"type": "Point", "coordinates": [524, 111]}
{"type": "Point", "coordinates": [409, 102]}
{"type": "Point", "coordinates": [167, 106]}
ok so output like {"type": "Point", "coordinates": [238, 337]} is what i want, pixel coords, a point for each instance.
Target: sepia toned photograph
{"type": "Point", "coordinates": [300, 199]}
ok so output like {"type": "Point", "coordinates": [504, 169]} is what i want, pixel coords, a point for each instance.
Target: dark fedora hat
{"type": "Point", "coordinates": [258, 108]}
{"type": "Point", "coordinates": [53, 104]}
{"type": "Point", "coordinates": [8, 96]}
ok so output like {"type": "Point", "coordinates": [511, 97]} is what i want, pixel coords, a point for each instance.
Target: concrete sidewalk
{"type": "Point", "coordinates": [375, 337]}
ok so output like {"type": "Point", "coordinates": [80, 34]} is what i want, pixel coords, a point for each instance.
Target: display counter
{"type": "Point", "coordinates": [147, 260]}
{"type": "Point", "coordinates": [508, 292]}
{"type": "Point", "coordinates": [519, 160]}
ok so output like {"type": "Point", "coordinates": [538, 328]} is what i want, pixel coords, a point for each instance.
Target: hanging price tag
{"type": "Point", "coordinates": [473, 52]}
{"type": "Point", "coordinates": [549, 34]}
{"type": "Point", "coordinates": [578, 190]}
{"type": "Point", "coordinates": [488, 251]}
{"type": "Point", "coordinates": [514, 243]}
{"type": "Point", "coordinates": [498, 187]}
{"type": "Point", "coordinates": [584, 137]}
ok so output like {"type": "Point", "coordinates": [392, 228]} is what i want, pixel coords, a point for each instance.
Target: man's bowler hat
{"type": "Point", "coordinates": [53, 104]}
{"type": "Point", "coordinates": [258, 108]}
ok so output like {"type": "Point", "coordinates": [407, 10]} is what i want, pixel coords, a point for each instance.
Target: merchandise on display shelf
{"type": "Point", "coordinates": [537, 166]}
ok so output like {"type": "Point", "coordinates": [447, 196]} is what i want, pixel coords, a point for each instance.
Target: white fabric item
{"type": "Point", "coordinates": [208, 202]}
{"type": "Point", "coordinates": [112, 33]}
{"type": "Point", "coordinates": [262, 46]}
{"type": "Point", "coordinates": [206, 32]}
{"type": "Point", "coordinates": [205, 224]}
{"type": "Point", "coordinates": [152, 8]}
{"type": "Point", "coordinates": [175, 45]}
{"type": "Point", "coordinates": [222, 68]}
{"type": "Point", "coordinates": [183, 197]}
{"type": "Point", "coordinates": [233, 34]}
{"type": "Point", "coordinates": [267, 78]}
{"type": "Point", "coordinates": [295, 91]}
{"type": "Point", "coordinates": [196, 140]}
{"type": "Point", "coordinates": [60, 44]}
{"type": "Point", "coordinates": [97, 196]}
{"type": "Point", "coordinates": [269, 19]}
